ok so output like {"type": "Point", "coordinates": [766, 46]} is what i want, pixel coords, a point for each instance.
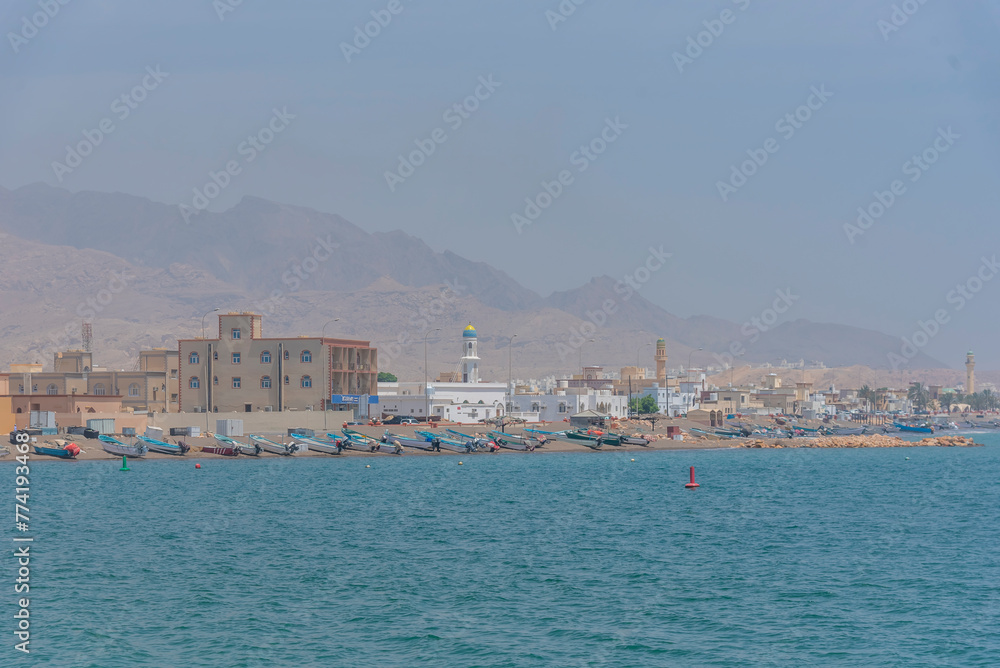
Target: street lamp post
{"type": "Point", "coordinates": [203, 321]}
{"type": "Point", "coordinates": [639, 350]}
{"type": "Point", "coordinates": [510, 393]}
{"type": "Point", "coordinates": [427, 410]}
{"type": "Point", "coordinates": [208, 369]}
{"type": "Point", "coordinates": [329, 380]}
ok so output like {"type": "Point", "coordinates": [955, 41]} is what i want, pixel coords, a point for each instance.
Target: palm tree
{"type": "Point", "coordinates": [919, 396]}
{"type": "Point", "coordinates": [867, 395]}
{"type": "Point", "coordinates": [946, 400]}
{"type": "Point", "coordinates": [990, 400]}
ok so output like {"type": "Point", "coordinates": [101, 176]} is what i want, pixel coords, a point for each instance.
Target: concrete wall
{"type": "Point", "coordinates": [254, 423]}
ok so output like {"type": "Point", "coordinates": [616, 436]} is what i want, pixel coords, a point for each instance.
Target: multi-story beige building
{"type": "Point", "coordinates": [151, 386]}
{"type": "Point", "coordinates": [240, 370]}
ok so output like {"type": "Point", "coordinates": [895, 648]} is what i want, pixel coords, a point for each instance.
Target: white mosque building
{"type": "Point", "coordinates": [463, 397]}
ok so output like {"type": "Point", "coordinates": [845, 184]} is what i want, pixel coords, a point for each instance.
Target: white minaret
{"type": "Point", "coordinates": [470, 360]}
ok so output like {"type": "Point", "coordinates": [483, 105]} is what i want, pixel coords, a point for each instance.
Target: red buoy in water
{"type": "Point", "coordinates": [197, 466]}
{"type": "Point", "coordinates": [692, 484]}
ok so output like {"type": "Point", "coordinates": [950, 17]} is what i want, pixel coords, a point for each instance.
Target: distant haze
{"type": "Point", "coordinates": [532, 90]}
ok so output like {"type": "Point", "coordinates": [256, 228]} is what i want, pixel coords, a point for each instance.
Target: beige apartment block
{"type": "Point", "coordinates": [240, 370]}
{"type": "Point", "coordinates": [151, 386]}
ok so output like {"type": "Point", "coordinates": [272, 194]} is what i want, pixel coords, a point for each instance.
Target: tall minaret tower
{"type": "Point", "coordinates": [661, 362]}
{"type": "Point", "coordinates": [970, 373]}
{"type": "Point", "coordinates": [470, 360]}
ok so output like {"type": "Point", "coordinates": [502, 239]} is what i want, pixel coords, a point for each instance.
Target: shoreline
{"type": "Point", "coordinates": [92, 451]}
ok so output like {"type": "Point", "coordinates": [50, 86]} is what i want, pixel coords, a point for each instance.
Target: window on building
{"type": "Point", "coordinates": [265, 357]}
{"type": "Point", "coordinates": [306, 356]}
{"type": "Point", "coordinates": [193, 358]}
{"type": "Point", "coordinates": [286, 354]}
{"type": "Point", "coordinates": [52, 389]}
{"type": "Point", "coordinates": [194, 383]}
{"type": "Point", "coordinates": [236, 358]}
{"type": "Point", "coordinates": [215, 355]}
{"type": "Point", "coordinates": [173, 373]}
{"type": "Point", "coordinates": [100, 390]}
{"type": "Point", "coordinates": [215, 380]}
{"type": "Point", "coordinates": [307, 381]}
{"type": "Point", "coordinates": [133, 390]}
{"type": "Point", "coordinates": [34, 388]}
{"type": "Point", "coordinates": [286, 380]}
{"type": "Point", "coordinates": [237, 333]}
{"type": "Point", "coordinates": [237, 382]}
{"type": "Point", "coordinates": [265, 382]}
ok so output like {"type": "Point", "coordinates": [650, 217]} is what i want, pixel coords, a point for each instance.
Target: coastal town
{"type": "Point", "coordinates": [306, 390]}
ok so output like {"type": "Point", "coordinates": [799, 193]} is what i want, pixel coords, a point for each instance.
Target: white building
{"type": "Point", "coordinates": [468, 401]}
{"type": "Point", "coordinates": [568, 401]}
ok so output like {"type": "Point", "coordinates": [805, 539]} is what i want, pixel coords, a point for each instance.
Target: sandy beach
{"type": "Point", "coordinates": [91, 448]}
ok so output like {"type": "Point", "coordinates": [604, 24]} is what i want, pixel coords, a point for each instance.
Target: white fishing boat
{"type": "Point", "coordinates": [113, 446]}
{"type": "Point", "coordinates": [267, 445]}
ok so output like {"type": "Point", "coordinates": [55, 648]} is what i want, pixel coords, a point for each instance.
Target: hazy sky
{"type": "Point", "coordinates": [892, 94]}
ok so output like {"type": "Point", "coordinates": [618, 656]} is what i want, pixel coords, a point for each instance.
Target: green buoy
{"type": "Point", "coordinates": [124, 464]}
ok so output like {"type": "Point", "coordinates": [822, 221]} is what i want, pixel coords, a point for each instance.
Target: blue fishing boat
{"type": "Point", "coordinates": [910, 428]}
{"type": "Point", "coordinates": [69, 451]}
{"type": "Point", "coordinates": [467, 445]}
{"type": "Point", "coordinates": [419, 443]}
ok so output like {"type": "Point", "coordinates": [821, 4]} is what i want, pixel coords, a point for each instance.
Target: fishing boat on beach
{"type": "Point", "coordinates": [113, 446]}
{"type": "Point", "coordinates": [466, 446]}
{"type": "Point", "coordinates": [547, 435]}
{"type": "Point", "coordinates": [369, 444]}
{"type": "Point", "coordinates": [584, 436]}
{"type": "Point", "coordinates": [251, 449]}
{"type": "Point", "coordinates": [418, 443]}
{"type": "Point", "coordinates": [220, 450]}
{"type": "Point", "coordinates": [64, 451]}
{"type": "Point", "coordinates": [330, 447]}
{"type": "Point", "coordinates": [267, 445]}
{"type": "Point", "coordinates": [512, 441]}
{"type": "Point", "coordinates": [634, 440]}
{"type": "Point", "coordinates": [163, 447]}
{"type": "Point", "coordinates": [480, 442]}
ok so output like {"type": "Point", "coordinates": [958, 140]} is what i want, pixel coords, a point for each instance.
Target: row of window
{"type": "Point", "coordinates": [99, 389]}
{"type": "Point", "coordinates": [265, 382]}
{"type": "Point", "coordinates": [265, 357]}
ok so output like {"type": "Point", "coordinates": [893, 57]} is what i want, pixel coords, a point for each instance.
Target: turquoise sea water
{"type": "Point", "coordinates": [782, 557]}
